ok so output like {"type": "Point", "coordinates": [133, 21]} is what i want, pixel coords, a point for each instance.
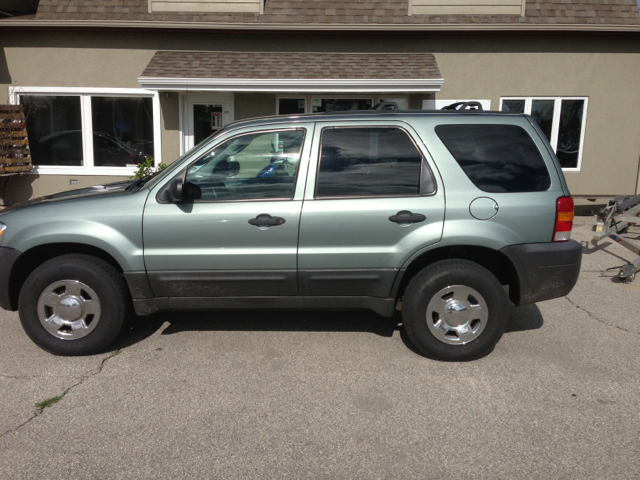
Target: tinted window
{"type": "Point", "coordinates": [514, 106]}
{"type": "Point", "coordinates": [570, 132]}
{"type": "Point", "coordinates": [255, 166]}
{"type": "Point", "coordinates": [365, 162]}
{"type": "Point", "coordinates": [542, 113]}
{"type": "Point", "coordinates": [341, 104]}
{"type": "Point", "coordinates": [497, 158]}
{"type": "Point", "coordinates": [122, 130]}
{"type": "Point", "coordinates": [54, 127]}
{"type": "Point", "coordinates": [291, 106]}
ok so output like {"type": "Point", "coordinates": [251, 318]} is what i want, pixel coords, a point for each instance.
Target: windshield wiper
{"type": "Point", "coordinates": [140, 182]}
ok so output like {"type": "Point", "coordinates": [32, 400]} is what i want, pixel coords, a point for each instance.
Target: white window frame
{"type": "Point", "coordinates": [85, 95]}
{"type": "Point", "coordinates": [528, 101]}
{"type": "Point", "coordinates": [308, 99]}
{"type": "Point", "coordinates": [438, 103]}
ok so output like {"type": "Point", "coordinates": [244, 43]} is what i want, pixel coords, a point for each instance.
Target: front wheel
{"type": "Point", "coordinates": [73, 305]}
{"type": "Point", "coordinates": [454, 310]}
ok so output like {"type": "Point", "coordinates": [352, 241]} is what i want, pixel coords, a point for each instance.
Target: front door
{"type": "Point", "coordinates": [371, 201]}
{"type": "Point", "coordinates": [237, 233]}
{"type": "Point", "coordinates": [205, 115]}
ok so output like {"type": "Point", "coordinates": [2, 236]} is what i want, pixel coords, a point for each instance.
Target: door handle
{"type": "Point", "coordinates": [406, 217]}
{"type": "Point", "coordinates": [266, 220]}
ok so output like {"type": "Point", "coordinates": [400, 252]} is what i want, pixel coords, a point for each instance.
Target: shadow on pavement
{"type": "Point", "coordinates": [139, 328]}
{"type": "Point", "coordinates": [527, 317]}
{"type": "Point", "coordinates": [589, 249]}
{"type": "Point", "coordinates": [281, 321]}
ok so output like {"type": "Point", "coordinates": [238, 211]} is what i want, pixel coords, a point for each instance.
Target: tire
{"type": "Point", "coordinates": [454, 310]}
{"type": "Point", "coordinates": [74, 305]}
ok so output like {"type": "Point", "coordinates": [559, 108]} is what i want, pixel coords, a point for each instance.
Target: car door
{"type": "Point", "coordinates": [236, 233]}
{"type": "Point", "coordinates": [371, 201]}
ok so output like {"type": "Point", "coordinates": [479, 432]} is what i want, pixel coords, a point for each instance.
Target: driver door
{"type": "Point", "coordinates": [237, 234]}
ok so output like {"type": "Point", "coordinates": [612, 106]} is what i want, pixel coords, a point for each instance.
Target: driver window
{"type": "Point", "coordinates": [253, 166]}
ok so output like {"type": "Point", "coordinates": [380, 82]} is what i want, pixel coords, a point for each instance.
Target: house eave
{"type": "Point", "coordinates": [292, 85]}
{"type": "Point", "coordinates": [314, 27]}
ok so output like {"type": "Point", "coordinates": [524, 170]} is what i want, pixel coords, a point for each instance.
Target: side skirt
{"type": "Point", "coordinates": [382, 306]}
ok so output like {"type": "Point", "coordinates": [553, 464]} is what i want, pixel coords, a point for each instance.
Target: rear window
{"type": "Point", "coordinates": [497, 158]}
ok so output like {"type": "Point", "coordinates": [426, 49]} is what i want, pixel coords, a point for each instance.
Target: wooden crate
{"type": "Point", "coordinates": [15, 156]}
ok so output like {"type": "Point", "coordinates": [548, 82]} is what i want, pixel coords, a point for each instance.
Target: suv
{"type": "Point", "coordinates": [445, 215]}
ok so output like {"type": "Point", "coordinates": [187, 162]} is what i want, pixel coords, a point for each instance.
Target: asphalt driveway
{"type": "Point", "coordinates": [336, 395]}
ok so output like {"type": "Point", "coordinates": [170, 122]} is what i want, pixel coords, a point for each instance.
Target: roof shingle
{"type": "Point", "coordinates": [319, 66]}
{"type": "Point", "coordinates": [613, 12]}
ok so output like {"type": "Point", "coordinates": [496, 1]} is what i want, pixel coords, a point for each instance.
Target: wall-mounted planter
{"type": "Point", "coordinates": [15, 156]}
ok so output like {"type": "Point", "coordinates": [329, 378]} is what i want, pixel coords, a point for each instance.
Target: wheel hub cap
{"type": "Point", "coordinates": [69, 309]}
{"type": "Point", "coordinates": [457, 314]}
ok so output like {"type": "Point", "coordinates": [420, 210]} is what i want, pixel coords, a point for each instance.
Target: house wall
{"type": "Point", "coordinates": [603, 68]}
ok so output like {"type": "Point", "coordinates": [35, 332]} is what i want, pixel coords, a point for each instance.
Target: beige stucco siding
{"type": "Point", "coordinates": [610, 80]}
{"type": "Point", "coordinates": [603, 68]}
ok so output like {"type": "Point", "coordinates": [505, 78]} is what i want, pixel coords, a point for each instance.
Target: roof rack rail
{"type": "Point", "coordinates": [464, 106]}
{"type": "Point", "coordinates": [385, 106]}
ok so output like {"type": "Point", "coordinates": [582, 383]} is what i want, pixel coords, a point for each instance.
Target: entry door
{"type": "Point", "coordinates": [236, 234]}
{"type": "Point", "coordinates": [371, 201]}
{"type": "Point", "coordinates": [205, 115]}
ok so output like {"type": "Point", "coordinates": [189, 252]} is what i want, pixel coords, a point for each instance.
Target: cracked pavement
{"type": "Point", "coordinates": [336, 395]}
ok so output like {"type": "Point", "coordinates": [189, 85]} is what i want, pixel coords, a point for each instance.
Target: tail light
{"type": "Point", "coordinates": [564, 219]}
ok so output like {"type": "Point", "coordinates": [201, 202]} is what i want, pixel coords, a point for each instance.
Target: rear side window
{"type": "Point", "coordinates": [369, 162]}
{"type": "Point", "coordinates": [497, 158]}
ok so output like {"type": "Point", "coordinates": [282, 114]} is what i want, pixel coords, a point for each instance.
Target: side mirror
{"type": "Point", "coordinates": [175, 190]}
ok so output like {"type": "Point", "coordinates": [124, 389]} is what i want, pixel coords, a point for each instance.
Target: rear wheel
{"type": "Point", "coordinates": [454, 310]}
{"type": "Point", "coordinates": [74, 305]}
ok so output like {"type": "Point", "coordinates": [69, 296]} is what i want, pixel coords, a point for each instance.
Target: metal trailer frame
{"type": "Point", "coordinates": [621, 213]}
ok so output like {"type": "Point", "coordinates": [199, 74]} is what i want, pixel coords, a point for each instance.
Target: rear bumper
{"type": "Point", "coordinates": [8, 258]}
{"type": "Point", "coordinates": [545, 270]}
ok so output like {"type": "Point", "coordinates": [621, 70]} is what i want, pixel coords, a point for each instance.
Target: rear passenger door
{"type": "Point", "coordinates": [371, 200]}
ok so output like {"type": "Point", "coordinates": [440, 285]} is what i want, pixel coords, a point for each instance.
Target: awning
{"type": "Point", "coordinates": [292, 72]}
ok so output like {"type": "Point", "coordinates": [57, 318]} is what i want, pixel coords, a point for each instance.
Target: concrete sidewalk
{"type": "Point", "coordinates": [336, 395]}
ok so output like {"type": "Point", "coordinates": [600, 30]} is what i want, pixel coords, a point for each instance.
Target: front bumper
{"type": "Point", "coordinates": [545, 270]}
{"type": "Point", "coordinates": [8, 258]}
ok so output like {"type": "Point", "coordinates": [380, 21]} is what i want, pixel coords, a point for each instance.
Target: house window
{"type": "Point", "coordinates": [221, 6]}
{"type": "Point", "coordinates": [291, 106]}
{"type": "Point", "coordinates": [320, 104]}
{"type": "Point", "coordinates": [464, 7]}
{"type": "Point", "coordinates": [90, 131]}
{"type": "Point", "coordinates": [562, 119]}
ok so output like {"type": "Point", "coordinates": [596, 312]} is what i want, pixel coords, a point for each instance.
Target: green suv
{"type": "Point", "coordinates": [446, 216]}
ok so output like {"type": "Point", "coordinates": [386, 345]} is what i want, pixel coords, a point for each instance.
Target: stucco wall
{"type": "Point", "coordinates": [604, 68]}
{"type": "Point", "coordinates": [249, 105]}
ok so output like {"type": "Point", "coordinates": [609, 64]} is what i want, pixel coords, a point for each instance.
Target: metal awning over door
{"type": "Point", "coordinates": [292, 72]}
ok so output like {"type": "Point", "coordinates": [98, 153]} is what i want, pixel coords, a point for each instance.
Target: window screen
{"type": "Point", "coordinates": [497, 158]}
{"type": "Point", "coordinates": [365, 162]}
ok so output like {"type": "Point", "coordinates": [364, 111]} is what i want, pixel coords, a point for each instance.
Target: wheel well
{"type": "Point", "coordinates": [494, 261]}
{"type": "Point", "coordinates": [36, 256]}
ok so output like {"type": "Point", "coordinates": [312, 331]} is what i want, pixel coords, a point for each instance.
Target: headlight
{"type": "Point", "coordinates": [3, 227]}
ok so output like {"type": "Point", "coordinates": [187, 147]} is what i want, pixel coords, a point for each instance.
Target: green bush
{"type": "Point", "coordinates": [146, 168]}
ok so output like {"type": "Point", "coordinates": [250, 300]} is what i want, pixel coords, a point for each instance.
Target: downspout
{"type": "Point", "coordinates": [638, 177]}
